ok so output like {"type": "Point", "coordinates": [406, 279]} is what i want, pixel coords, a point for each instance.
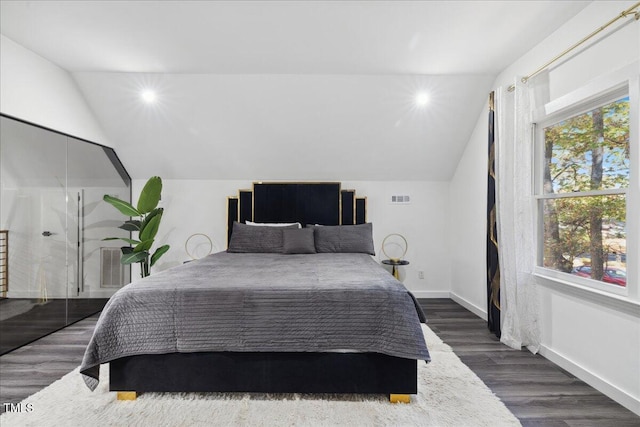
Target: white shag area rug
{"type": "Point", "coordinates": [449, 394]}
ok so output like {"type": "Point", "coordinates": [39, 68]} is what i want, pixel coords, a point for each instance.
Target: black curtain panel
{"type": "Point", "coordinates": [493, 265]}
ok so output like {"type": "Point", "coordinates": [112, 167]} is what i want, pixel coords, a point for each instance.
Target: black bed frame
{"type": "Point", "coordinates": [308, 203]}
{"type": "Point", "coordinates": [265, 373]}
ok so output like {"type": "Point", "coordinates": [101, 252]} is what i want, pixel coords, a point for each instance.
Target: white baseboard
{"type": "Point", "coordinates": [625, 399]}
{"type": "Point", "coordinates": [469, 306]}
{"type": "Point", "coordinates": [430, 294]}
{"type": "Point", "coordinates": [32, 295]}
{"type": "Point", "coordinates": [446, 294]}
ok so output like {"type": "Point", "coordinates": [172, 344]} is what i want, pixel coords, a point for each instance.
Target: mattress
{"type": "Point", "coordinates": [229, 302]}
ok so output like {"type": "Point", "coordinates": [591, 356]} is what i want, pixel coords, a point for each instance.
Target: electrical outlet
{"type": "Point", "coordinates": [420, 274]}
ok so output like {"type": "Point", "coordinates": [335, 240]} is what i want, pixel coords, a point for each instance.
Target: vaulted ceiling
{"type": "Point", "coordinates": [304, 90]}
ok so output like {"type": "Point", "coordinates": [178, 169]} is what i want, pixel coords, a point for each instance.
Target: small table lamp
{"type": "Point", "coordinates": [195, 246]}
{"type": "Point", "coordinates": [396, 260]}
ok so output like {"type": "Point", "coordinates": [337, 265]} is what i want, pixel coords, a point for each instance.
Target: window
{"type": "Point", "coordinates": [583, 176]}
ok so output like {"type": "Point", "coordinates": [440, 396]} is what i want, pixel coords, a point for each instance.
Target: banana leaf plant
{"type": "Point", "coordinates": [144, 219]}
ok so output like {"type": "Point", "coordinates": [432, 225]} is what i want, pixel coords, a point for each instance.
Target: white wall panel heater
{"type": "Point", "coordinates": [111, 270]}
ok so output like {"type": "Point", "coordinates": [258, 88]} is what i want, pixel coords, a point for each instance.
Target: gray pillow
{"type": "Point", "coordinates": [256, 239]}
{"type": "Point", "coordinates": [344, 239]}
{"type": "Point", "coordinates": [298, 241]}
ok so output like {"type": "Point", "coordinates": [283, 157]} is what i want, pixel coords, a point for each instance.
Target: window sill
{"type": "Point", "coordinates": [622, 303]}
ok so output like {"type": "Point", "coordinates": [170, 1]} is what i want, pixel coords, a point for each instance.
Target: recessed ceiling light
{"type": "Point", "coordinates": [148, 96]}
{"type": "Point", "coordinates": [422, 99]}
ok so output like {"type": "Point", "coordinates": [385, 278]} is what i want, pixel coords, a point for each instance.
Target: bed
{"type": "Point", "coordinates": [283, 310]}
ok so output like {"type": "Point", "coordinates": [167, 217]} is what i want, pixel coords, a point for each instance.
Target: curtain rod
{"type": "Point", "coordinates": [623, 14]}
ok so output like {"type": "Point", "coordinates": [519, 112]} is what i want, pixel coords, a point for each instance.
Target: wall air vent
{"type": "Point", "coordinates": [400, 199]}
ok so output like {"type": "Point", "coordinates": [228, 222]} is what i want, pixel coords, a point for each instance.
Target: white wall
{"type": "Point", "coordinates": [423, 223]}
{"type": "Point", "coordinates": [200, 206]}
{"type": "Point", "coordinates": [598, 342]}
{"type": "Point", "coordinates": [36, 90]}
{"type": "Point", "coordinates": [467, 219]}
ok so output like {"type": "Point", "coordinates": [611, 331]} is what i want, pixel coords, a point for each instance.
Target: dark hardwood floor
{"type": "Point", "coordinates": [36, 365]}
{"type": "Point", "coordinates": [534, 389]}
{"type": "Point", "coordinates": [25, 320]}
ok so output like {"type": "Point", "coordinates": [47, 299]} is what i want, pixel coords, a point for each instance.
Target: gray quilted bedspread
{"type": "Point", "coordinates": [259, 302]}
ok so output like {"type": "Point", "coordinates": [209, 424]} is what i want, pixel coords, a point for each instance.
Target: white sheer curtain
{"type": "Point", "coordinates": [516, 206]}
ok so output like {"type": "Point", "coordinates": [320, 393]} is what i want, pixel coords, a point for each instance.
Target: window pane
{"type": "Point", "coordinates": [582, 233]}
{"type": "Point", "coordinates": [589, 151]}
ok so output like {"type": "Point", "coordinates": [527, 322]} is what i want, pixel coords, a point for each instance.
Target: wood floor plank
{"type": "Point", "coordinates": [31, 368]}
{"type": "Point", "coordinates": [41, 318]}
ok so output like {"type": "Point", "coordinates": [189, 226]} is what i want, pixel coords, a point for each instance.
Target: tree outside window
{"type": "Point", "coordinates": [584, 180]}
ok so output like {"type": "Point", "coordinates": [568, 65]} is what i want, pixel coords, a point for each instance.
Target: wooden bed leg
{"type": "Point", "coordinates": [400, 398]}
{"type": "Point", "coordinates": [127, 395]}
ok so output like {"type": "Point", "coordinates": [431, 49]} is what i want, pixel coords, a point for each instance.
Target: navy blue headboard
{"type": "Point", "coordinates": [304, 202]}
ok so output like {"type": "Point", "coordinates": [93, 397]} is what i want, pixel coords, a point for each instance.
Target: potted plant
{"type": "Point", "coordinates": [146, 223]}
